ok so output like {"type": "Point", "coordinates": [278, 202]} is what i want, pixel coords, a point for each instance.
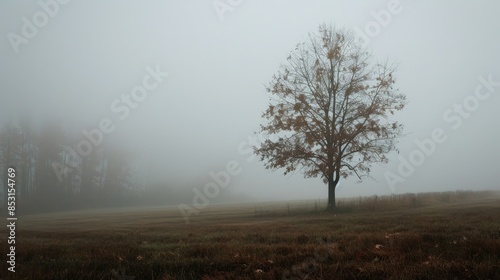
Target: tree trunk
{"type": "Point", "coordinates": [331, 192]}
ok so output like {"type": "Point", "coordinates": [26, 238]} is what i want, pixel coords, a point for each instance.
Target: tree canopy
{"type": "Point", "coordinates": [330, 109]}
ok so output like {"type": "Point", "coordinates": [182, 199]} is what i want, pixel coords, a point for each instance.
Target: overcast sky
{"type": "Point", "coordinates": [79, 58]}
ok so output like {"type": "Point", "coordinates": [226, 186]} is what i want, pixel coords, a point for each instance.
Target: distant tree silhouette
{"type": "Point", "coordinates": [28, 159]}
{"type": "Point", "coordinates": [118, 174]}
{"type": "Point", "coordinates": [10, 149]}
{"type": "Point", "coordinates": [51, 189]}
{"type": "Point", "coordinates": [92, 174]}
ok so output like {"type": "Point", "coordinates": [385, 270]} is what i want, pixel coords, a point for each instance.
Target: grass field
{"type": "Point", "coordinates": [432, 236]}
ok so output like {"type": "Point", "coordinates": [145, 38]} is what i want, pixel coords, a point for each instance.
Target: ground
{"type": "Point", "coordinates": [381, 238]}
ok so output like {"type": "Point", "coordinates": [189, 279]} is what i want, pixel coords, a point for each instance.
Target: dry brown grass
{"type": "Point", "coordinates": [445, 236]}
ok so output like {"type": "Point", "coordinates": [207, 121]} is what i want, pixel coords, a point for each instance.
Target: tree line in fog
{"type": "Point", "coordinates": [55, 173]}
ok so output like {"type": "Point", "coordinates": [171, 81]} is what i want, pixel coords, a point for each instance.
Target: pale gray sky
{"type": "Point", "coordinates": [87, 54]}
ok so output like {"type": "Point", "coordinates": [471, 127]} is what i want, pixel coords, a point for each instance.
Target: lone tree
{"type": "Point", "coordinates": [328, 111]}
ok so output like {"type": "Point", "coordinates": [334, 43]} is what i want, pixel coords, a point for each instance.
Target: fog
{"type": "Point", "coordinates": [80, 66]}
